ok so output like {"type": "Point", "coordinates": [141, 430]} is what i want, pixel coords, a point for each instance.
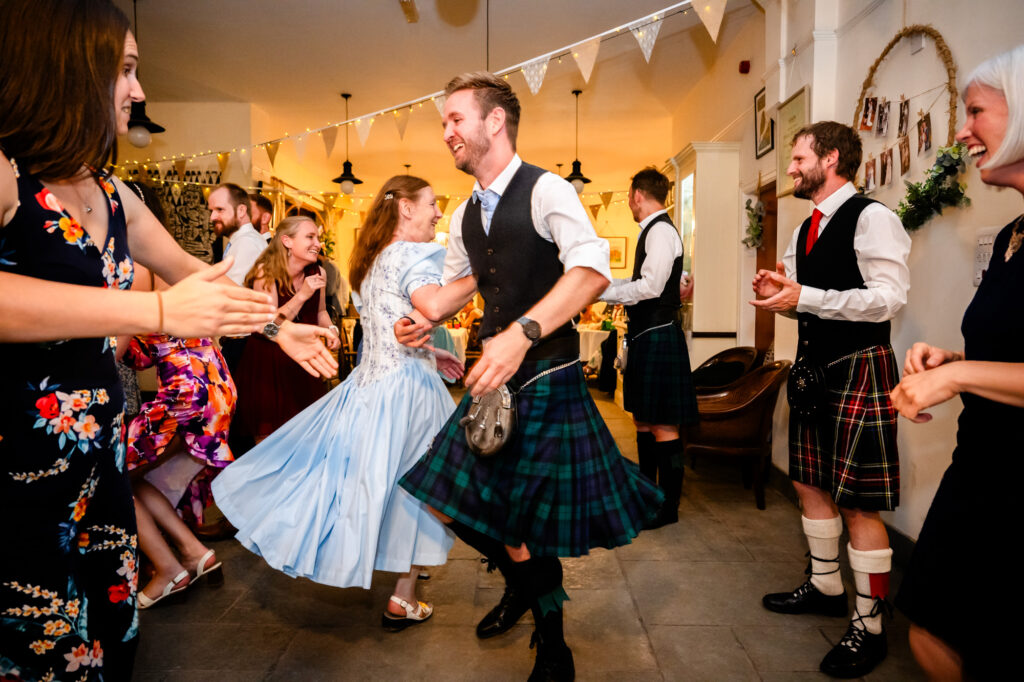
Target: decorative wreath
{"type": "Point", "coordinates": [941, 186]}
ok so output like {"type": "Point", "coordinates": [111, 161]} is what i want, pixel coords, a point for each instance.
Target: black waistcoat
{"type": "Point", "coordinates": [664, 307]}
{"type": "Point", "coordinates": [832, 264]}
{"type": "Point", "coordinates": [515, 267]}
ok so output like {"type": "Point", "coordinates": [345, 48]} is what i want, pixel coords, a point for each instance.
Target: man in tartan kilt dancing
{"type": "Point", "coordinates": [657, 387]}
{"type": "Point", "coordinates": [844, 277]}
{"type": "Point", "coordinates": [559, 486]}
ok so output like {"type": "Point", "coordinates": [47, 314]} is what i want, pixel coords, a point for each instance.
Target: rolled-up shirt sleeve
{"type": "Point", "coordinates": [882, 246]}
{"type": "Point", "coordinates": [456, 262]}
{"type": "Point", "coordinates": [560, 217]}
{"type": "Point", "coordinates": [663, 247]}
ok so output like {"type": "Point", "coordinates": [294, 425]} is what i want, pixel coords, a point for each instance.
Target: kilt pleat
{"type": "Point", "coordinates": [560, 486]}
{"type": "Point", "coordinates": [851, 450]}
{"type": "Point", "coordinates": [657, 386]}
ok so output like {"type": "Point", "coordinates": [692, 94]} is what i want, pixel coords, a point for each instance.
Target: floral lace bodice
{"type": "Point", "coordinates": [400, 269]}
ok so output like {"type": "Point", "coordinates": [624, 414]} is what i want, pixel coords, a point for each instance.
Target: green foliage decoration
{"type": "Point", "coordinates": [941, 188]}
{"type": "Point", "coordinates": [755, 224]}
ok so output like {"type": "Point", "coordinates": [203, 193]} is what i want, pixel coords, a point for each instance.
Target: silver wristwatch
{"type": "Point", "coordinates": [274, 326]}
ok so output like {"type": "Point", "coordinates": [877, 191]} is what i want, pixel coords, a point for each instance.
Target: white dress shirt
{"type": "Point", "coordinates": [558, 217]}
{"type": "Point", "coordinates": [246, 245]}
{"type": "Point", "coordinates": [663, 246]}
{"type": "Point", "coordinates": [882, 246]}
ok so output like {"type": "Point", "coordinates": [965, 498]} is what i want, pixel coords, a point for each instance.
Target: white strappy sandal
{"type": "Point", "coordinates": [413, 615]}
{"type": "Point", "coordinates": [171, 592]}
{"type": "Point", "coordinates": [214, 574]}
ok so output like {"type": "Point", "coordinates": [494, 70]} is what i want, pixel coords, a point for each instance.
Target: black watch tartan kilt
{"type": "Point", "coordinates": [657, 386]}
{"type": "Point", "coordinates": [560, 486]}
{"type": "Point", "coordinates": [850, 450]}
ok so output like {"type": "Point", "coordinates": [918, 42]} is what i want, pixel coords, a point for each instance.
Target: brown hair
{"type": "Point", "coordinates": [237, 196]}
{"type": "Point", "coordinates": [490, 92]}
{"type": "Point", "coordinates": [828, 135]}
{"type": "Point", "coordinates": [379, 228]}
{"type": "Point", "coordinates": [263, 202]}
{"type": "Point", "coordinates": [272, 265]}
{"type": "Point", "coordinates": [59, 63]}
{"type": "Point", "coordinates": [651, 182]}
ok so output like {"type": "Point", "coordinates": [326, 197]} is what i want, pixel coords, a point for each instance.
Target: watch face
{"type": "Point", "coordinates": [530, 328]}
{"type": "Point", "coordinates": [270, 331]}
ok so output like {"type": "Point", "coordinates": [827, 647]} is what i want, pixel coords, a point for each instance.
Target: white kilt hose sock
{"type": "Point", "coordinates": [871, 570]}
{"type": "Point", "coordinates": [823, 542]}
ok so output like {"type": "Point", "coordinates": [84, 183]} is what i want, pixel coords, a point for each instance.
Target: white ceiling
{"type": "Point", "coordinates": [291, 60]}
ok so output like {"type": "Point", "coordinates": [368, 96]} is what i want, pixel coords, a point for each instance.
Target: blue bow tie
{"type": "Point", "coordinates": [489, 198]}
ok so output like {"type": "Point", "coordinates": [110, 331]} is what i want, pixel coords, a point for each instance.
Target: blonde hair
{"type": "Point", "coordinates": [272, 265]}
{"type": "Point", "coordinates": [1004, 73]}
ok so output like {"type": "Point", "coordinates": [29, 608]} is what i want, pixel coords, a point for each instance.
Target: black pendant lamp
{"type": "Point", "coordinates": [140, 127]}
{"type": "Point", "coordinates": [576, 177]}
{"type": "Point", "coordinates": [347, 180]}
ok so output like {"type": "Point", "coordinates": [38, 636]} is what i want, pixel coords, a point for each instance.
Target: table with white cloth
{"type": "Point", "coordinates": [590, 343]}
{"type": "Point", "coordinates": [460, 339]}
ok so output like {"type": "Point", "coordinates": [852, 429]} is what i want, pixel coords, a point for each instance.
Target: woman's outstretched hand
{"type": "Point", "coordinates": [301, 342]}
{"type": "Point", "coordinates": [448, 364]}
{"type": "Point", "coordinates": [198, 306]}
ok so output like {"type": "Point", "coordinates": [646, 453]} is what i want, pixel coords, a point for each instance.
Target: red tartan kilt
{"type": "Point", "coordinates": [851, 450]}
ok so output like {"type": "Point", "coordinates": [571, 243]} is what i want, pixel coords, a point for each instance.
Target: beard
{"type": "Point", "coordinates": [474, 150]}
{"type": "Point", "coordinates": [810, 182]}
{"type": "Point", "coordinates": [225, 228]}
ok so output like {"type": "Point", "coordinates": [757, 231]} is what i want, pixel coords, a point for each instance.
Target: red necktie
{"type": "Point", "coordinates": [812, 235]}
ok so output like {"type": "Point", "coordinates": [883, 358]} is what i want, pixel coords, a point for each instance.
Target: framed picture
{"type": "Point", "coordinates": [904, 118]}
{"type": "Point", "coordinates": [904, 155]}
{"type": "Point", "coordinates": [793, 115]}
{"type": "Point", "coordinates": [617, 251]}
{"type": "Point", "coordinates": [882, 120]}
{"type": "Point", "coordinates": [867, 119]}
{"type": "Point", "coordinates": [764, 127]}
{"type": "Point", "coordinates": [870, 183]}
{"type": "Point", "coordinates": [924, 133]}
{"type": "Point", "coordinates": [886, 167]}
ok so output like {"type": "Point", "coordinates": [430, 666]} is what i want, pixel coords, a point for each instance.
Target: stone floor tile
{"type": "Point", "coordinates": [178, 646]}
{"type": "Point", "coordinates": [700, 653]}
{"type": "Point", "coordinates": [790, 647]}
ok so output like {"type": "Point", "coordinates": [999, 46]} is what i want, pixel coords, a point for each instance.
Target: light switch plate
{"type": "Point", "coordinates": [983, 251]}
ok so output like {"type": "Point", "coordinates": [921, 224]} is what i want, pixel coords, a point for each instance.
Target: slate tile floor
{"type": "Point", "coordinates": [680, 603]}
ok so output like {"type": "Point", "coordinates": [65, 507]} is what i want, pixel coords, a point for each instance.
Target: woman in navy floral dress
{"type": "Point", "coordinates": [67, 525]}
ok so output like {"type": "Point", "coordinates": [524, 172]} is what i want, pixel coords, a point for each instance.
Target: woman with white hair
{"type": "Point", "coordinates": [957, 590]}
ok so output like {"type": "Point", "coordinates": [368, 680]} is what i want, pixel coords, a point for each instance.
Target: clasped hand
{"type": "Point", "coordinates": [778, 293]}
{"type": "Point", "coordinates": [927, 380]}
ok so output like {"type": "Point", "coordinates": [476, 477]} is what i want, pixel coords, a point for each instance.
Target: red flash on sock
{"type": "Point", "coordinates": [879, 585]}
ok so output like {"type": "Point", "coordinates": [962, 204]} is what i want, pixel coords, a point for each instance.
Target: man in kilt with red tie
{"type": "Point", "coordinates": [657, 386]}
{"type": "Point", "coordinates": [559, 486]}
{"type": "Point", "coordinates": [844, 277]}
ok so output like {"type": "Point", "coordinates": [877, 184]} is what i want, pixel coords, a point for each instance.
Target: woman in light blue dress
{"type": "Point", "coordinates": [317, 499]}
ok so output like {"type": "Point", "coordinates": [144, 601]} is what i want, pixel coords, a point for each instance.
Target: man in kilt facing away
{"type": "Point", "coordinates": [657, 387]}
{"type": "Point", "coordinates": [845, 277]}
{"type": "Point", "coordinates": [560, 486]}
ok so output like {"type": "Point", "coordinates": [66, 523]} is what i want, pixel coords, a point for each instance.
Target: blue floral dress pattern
{"type": "Point", "coordinates": [68, 578]}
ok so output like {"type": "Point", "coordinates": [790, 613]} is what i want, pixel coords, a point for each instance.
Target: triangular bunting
{"type": "Point", "coordinates": [585, 55]}
{"type": "Point", "coordinates": [401, 121]}
{"type": "Point", "coordinates": [646, 32]}
{"type": "Point", "coordinates": [711, 12]}
{"type": "Point", "coordinates": [534, 74]}
{"type": "Point", "coordinates": [594, 209]}
{"type": "Point", "coordinates": [329, 135]}
{"type": "Point", "coordinates": [300, 147]}
{"type": "Point", "coordinates": [222, 161]}
{"type": "Point", "coordinates": [271, 148]}
{"type": "Point", "coordinates": [329, 199]}
{"type": "Point", "coordinates": [442, 203]}
{"type": "Point", "coordinates": [439, 103]}
{"type": "Point", "coordinates": [606, 198]}
{"type": "Point", "coordinates": [246, 159]}
{"type": "Point", "coordinates": [179, 168]}
{"type": "Point", "coordinates": [363, 128]}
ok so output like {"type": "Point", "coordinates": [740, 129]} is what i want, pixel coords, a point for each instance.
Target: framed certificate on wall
{"type": "Point", "coordinates": [794, 114]}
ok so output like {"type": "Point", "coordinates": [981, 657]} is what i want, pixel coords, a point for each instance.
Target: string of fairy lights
{"type": "Point", "coordinates": [174, 169]}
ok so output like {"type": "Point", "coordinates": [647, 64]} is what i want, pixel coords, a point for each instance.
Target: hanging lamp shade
{"type": "Point", "coordinates": [140, 127]}
{"type": "Point", "coordinates": [576, 177]}
{"type": "Point", "coordinates": [347, 180]}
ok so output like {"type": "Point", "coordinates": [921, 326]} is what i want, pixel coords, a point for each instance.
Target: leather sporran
{"type": "Point", "coordinates": [490, 422]}
{"type": "Point", "coordinates": [805, 389]}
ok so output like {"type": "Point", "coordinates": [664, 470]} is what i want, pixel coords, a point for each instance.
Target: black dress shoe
{"type": "Point", "coordinates": [554, 662]}
{"type": "Point", "coordinates": [502, 617]}
{"type": "Point", "coordinates": [806, 599]}
{"type": "Point", "coordinates": [857, 654]}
